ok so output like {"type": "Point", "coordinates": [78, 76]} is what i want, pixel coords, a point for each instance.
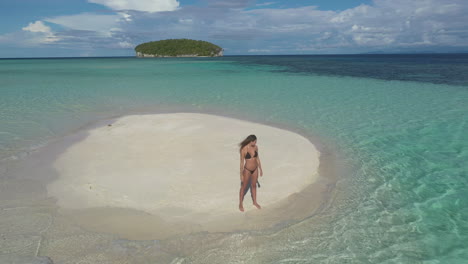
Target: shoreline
{"type": "Point", "coordinates": [319, 192]}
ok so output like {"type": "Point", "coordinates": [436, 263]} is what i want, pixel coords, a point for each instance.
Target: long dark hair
{"type": "Point", "coordinates": [246, 141]}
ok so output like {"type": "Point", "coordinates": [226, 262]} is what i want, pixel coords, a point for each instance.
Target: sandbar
{"type": "Point", "coordinates": [153, 176]}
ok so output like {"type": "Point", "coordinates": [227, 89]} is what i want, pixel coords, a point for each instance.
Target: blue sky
{"type": "Point", "coordinates": [49, 28]}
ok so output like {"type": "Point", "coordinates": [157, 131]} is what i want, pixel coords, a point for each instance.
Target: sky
{"type": "Point", "coordinates": [82, 28]}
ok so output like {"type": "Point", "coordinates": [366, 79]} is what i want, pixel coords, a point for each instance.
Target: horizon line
{"type": "Point", "coordinates": [235, 55]}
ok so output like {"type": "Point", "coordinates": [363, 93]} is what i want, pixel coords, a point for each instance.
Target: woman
{"type": "Point", "coordinates": [249, 170]}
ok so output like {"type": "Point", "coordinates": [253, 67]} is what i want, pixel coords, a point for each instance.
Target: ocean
{"type": "Point", "coordinates": [397, 124]}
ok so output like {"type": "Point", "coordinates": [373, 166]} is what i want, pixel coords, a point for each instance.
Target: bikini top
{"type": "Point", "coordinates": [247, 156]}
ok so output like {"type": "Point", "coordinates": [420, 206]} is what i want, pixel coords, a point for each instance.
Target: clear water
{"type": "Point", "coordinates": [399, 121]}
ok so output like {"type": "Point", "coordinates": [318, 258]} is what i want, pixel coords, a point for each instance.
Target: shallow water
{"type": "Point", "coordinates": [402, 137]}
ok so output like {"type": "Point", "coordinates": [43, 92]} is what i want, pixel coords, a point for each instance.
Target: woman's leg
{"type": "Point", "coordinates": [245, 181]}
{"type": "Point", "coordinates": [253, 188]}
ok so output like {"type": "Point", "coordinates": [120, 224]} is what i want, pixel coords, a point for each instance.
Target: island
{"type": "Point", "coordinates": [178, 48]}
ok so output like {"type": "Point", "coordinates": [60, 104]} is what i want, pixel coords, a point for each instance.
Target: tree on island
{"type": "Point", "coordinates": [178, 48]}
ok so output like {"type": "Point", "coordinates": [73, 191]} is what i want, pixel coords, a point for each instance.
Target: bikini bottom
{"type": "Point", "coordinates": [248, 186]}
{"type": "Point", "coordinates": [251, 172]}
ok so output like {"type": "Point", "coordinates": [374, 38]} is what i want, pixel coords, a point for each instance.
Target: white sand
{"type": "Point", "coordinates": [181, 167]}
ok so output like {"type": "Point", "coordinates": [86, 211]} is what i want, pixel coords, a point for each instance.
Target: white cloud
{"type": "Point", "coordinates": [102, 24]}
{"type": "Point", "coordinates": [37, 26]}
{"type": "Point", "coordinates": [401, 23]}
{"type": "Point", "coordinates": [126, 17]}
{"type": "Point", "coordinates": [302, 22]}
{"type": "Point", "coordinates": [139, 5]}
{"type": "Point", "coordinates": [41, 33]}
{"type": "Point", "coordinates": [382, 25]}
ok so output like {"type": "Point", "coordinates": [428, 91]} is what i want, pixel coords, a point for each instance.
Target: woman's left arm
{"type": "Point", "coordinates": [259, 163]}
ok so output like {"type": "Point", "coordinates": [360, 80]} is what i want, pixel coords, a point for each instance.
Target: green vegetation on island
{"type": "Point", "coordinates": [178, 48]}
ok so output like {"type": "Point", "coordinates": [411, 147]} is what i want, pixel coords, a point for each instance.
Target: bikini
{"type": "Point", "coordinates": [247, 156]}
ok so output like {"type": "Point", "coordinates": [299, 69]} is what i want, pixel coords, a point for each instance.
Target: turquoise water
{"type": "Point", "coordinates": [402, 198]}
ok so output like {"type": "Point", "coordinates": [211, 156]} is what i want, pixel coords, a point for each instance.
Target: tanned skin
{"type": "Point", "coordinates": [246, 176]}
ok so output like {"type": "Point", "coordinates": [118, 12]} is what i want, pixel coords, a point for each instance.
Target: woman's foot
{"type": "Point", "coordinates": [241, 208]}
{"type": "Point", "coordinates": [257, 205]}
